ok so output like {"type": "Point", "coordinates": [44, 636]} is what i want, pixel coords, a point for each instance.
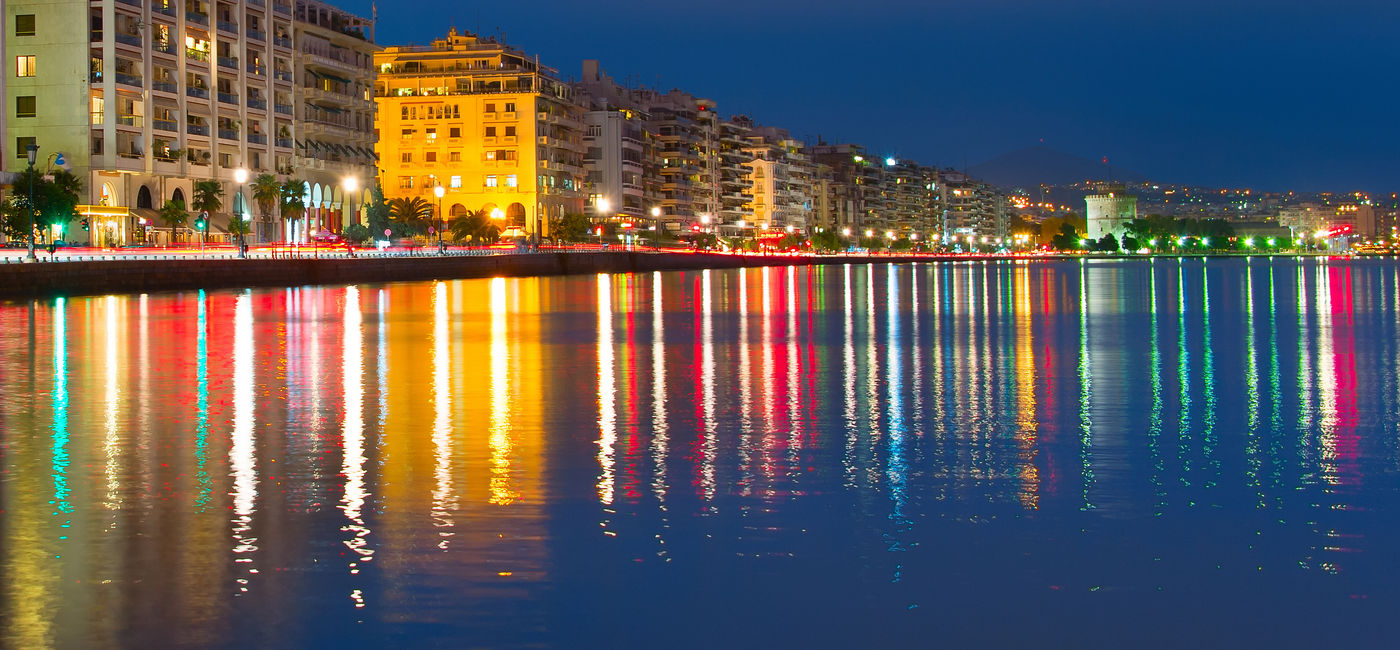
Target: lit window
{"type": "Point", "coordinates": [408, 134]}
{"type": "Point", "coordinates": [24, 65]}
{"type": "Point", "coordinates": [511, 181]}
{"type": "Point", "coordinates": [406, 182]}
{"type": "Point", "coordinates": [456, 182]}
{"type": "Point", "coordinates": [491, 155]}
{"type": "Point", "coordinates": [431, 135]}
{"type": "Point", "coordinates": [491, 180]}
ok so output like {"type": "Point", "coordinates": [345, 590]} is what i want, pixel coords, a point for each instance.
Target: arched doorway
{"type": "Point", "coordinates": [515, 215]}
{"type": "Point", "coordinates": [143, 198]}
{"type": "Point", "coordinates": [178, 196]}
{"type": "Point", "coordinates": [456, 210]}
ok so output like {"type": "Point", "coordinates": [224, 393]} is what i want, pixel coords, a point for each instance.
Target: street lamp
{"type": "Point", "coordinates": [438, 191]}
{"type": "Point", "coordinates": [240, 176]}
{"type": "Point", "coordinates": [350, 185]}
{"type": "Point", "coordinates": [33, 150]}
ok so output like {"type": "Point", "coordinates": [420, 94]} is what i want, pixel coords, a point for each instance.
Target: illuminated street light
{"type": "Point", "coordinates": [890, 161]}
{"type": "Point", "coordinates": [240, 176]}
{"type": "Point", "coordinates": [438, 191]}
{"type": "Point", "coordinates": [845, 232]}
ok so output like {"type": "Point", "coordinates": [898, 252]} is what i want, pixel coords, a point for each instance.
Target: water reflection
{"type": "Point", "coordinates": [370, 458]}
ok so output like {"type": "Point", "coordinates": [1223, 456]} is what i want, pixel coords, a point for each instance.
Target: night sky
{"type": "Point", "coordinates": [1274, 95]}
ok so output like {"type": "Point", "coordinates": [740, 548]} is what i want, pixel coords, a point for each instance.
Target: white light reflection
{"type": "Point", "coordinates": [794, 415]}
{"type": "Point", "coordinates": [872, 379]}
{"type": "Point", "coordinates": [502, 493]}
{"type": "Point", "coordinates": [659, 438]}
{"type": "Point", "coordinates": [1326, 375]}
{"type": "Point", "coordinates": [709, 447]}
{"type": "Point", "coordinates": [112, 440]}
{"type": "Point", "coordinates": [849, 357]}
{"type": "Point", "coordinates": [607, 392]}
{"type": "Point", "coordinates": [242, 453]}
{"type": "Point", "coordinates": [353, 437]}
{"type": "Point", "coordinates": [766, 378]}
{"type": "Point", "coordinates": [444, 499]}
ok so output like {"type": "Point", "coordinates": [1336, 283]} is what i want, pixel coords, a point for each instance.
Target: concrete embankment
{"type": "Point", "coordinates": [149, 275]}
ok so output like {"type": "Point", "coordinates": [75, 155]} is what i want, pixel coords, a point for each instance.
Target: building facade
{"type": "Point", "coordinates": [1109, 213]}
{"type": "Point", "coordinates": [498, 131]}
{"type": "Point", "coordinates": [155, 95]}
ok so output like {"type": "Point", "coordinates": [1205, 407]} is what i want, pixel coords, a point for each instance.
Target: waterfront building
{"type": "Point", "coordinates": [851, 195]}
{"type": "Point", "coordinates": [1303, 218]}
{"type": "Point", "coordinates": [618, 159]}
{"type": "Point", "coordinates": [156, 95]}
{"type": "Point", "coordinates": [1108, 212]}
{"type": "Point", "coordinates": [780, 181]}
{"type": "Point", "coordinates": [497, 130]}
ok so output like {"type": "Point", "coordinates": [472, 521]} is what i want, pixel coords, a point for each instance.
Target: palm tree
{"type": "Point", "coordinates": [266, 191]}
{"type": "Point", "coordinates": [466, 225]}
{"type": "Point", "coordinates": [293, 205]}
{"type": "Point", "coordinates": [415, 213]}
{"type": "Point", "coordinates": [208, 198]}
{"type": "Point", "coordinates": [173, 214]}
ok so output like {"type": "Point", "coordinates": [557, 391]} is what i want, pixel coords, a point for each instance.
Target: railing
{"type": "Point", "coordinates": [257, 69]}
{"type": "Point", "coordinates": [228, 98]}
{"type": "Point", "coordinates": [201, 93]}
{"type": "Point", "coordinates": [134, 3]}
{"type": "Point", "coordinates": [230, 27]}
{"type": "Point", "coordinates": [159, 7]}
{"type": "Point", "coordinates": [129, 120]}
{"type": "Point", "coordinates": [257, 35]}
{"type": "Point", "coordinates": [129, 39]}
{"type": "Point", "coordinates": [197, 55]}
{"type": "Point", "coordinates": [131, 154]}
{"type": "Point", "coordinates": [228, 62]}
{"type": "Point", "coordinates": [256, 138]}
{"type": "Point", "coordinates": [282, 75]}
{"type": "Point", "coordinates": [163, 47]}
{"type": "Point", "coordinates": [282, 41]}
{"type": "Point", "coordinates": [257, 3]}
{"type": "Point", "coordinates": [282, 8]}
{"type": "Point", "coordinates": [197, 129]}
{"type": "Point", "coordinates": [197, 18]}
{"type": "Point", "coordinates": [260, 104]}
{"type": "Point", "coordinates": [285, 143]}
{"type": "Point", "coordinates": [128, 79]}
{"type": "Point", "coordinates": [166, 125]}
{"type": "Point", "coordinates": [228, 134]}
{"type": "Point", "coordinates": [285, 109]}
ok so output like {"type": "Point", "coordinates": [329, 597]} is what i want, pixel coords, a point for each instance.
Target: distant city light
{"type": "Point", "coordinates": [891, 161]}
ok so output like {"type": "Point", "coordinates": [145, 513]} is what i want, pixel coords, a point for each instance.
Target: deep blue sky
{"type": "Point", "coordinates": [1275, 95]}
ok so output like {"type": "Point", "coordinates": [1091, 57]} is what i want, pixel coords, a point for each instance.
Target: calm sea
{"type": "Point", "coordinates": [991, 454]}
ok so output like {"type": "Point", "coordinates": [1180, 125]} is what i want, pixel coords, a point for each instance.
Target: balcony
{"type": "Point", "coordinates": [282, 41]}
{"type": "Point", "coordinates": [259, 104]}
{"type": "Point", "coordinates": [282, 75]}
{"type": "Point", "coordinates": [282, 8]}
{"type": "Point", "coordinates": [166, 125]}
{"type": "Point", "coordinates": [162, 7]}
{"type": "Point", "coordinates": [196, 55]}
{"type": "Point", "coordinates": [198, 93]}
{"type": "Point", "coordinates": [228, 134]}
{"type": "Point", "coordinates": [134, 3]}
{"type": "Point", "coordinates": [228, 62]}
{"type": "Point", "coordinates": [197, 18]}
{"type": "Point", "coordinates": [163, 48]}
{"type": "Point", "coordinates": [228, 98]}
{"type": "Point", "coordinates": [131, 120]}
{"type": "Point", "coordinates": [285, 109]}
{"type": "Point", "coordinates": [128, 79]}
{"type": "Point", "coordinates": [257, 35]}
{"type": "Point", "coordinates": [256, 138]}
{"type": "Point", "coordinates": [133, 40]}
{"type": "Point", "coordinates": [165, 87]}
{"type": "Point", "coordinates": [257, 69]}
{"type": "Point", "coordinates": [197, 129]}
{"type": "Point", "coordinates": [228, 26]}
{"type": "Point", "coordinates": [284, 143]}
{"type": "Point", "coordinates": [257, 3]}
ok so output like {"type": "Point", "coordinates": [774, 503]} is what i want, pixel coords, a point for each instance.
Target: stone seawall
{"type": "Point", "coordinates": [140, 276]}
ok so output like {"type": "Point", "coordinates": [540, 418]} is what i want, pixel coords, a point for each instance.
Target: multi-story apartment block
{"type": "Point", "coordinates": [854, 186]}
{"type": "Point", "coordinates": [620, 172]}
{"type": "Point", "coordinates": [735, 190]}
{"type": "Point", "coordinates": [780, 180]}
{"type": "Point", "coordinates": [155, 95]}
{"type": "Point", "coordinates": [498, 131]}
{"type": "Point", "coordinates": [911, 202]}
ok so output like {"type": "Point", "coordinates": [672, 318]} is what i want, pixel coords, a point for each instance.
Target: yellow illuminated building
{"type": "Point", "coordinates": [498, 131]}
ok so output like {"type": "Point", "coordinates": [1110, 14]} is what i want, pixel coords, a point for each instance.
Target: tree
{"type": "Point", "coordinates": [416, 214]}
{"type": "Point", "coordinates": [237, 226]}
{"type": "Point", "coordinates": [1108, 243]}
{"type": "Point", "coordinates": [1131, 244]}
{"type": "Point", "coordinates": [377, 215]}
{"type": "Point", "coordinates": [356, 234]}
{"type": "Point", "coordinates": [570, 227]}
{"type": "Point", "coordinates": [1066, 239]}
{"type": "Point", "coordinates": [55, 201]}
{"type": "Point", "coordinates": [293, 205]}
{"type": "Point", "coordinates": [174, 215]}
{"type": "Point", "coordinates": [266, 191]}
{"type": "Point", "coordinates": [827, 241]}
{"type": "Point", "coordinates": [208, 196]}
{"type": "Point", "coordinates": [474, 226]}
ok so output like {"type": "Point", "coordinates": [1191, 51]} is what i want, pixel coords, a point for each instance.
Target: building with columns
{"type": "Point", "coordinates": [143, 98]}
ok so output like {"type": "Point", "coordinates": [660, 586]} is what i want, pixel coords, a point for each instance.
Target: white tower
{"type": "Point", "coordinates": [1110, 213]}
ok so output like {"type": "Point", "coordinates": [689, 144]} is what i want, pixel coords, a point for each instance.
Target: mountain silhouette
{"type": "Point", "coordinates": [1029, 168]}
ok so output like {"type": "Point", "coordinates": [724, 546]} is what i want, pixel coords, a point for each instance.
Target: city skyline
{"type": "Point", "coordinates": [1204, 94]}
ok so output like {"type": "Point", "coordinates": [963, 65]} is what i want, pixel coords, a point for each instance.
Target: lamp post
{"type": "Point", "coordinates": [438, 191]}
{"type": "Point", "coordinates": [240, 176]}
{"type": "Point", "coordinates": [602, 205]}
{"type": "Point", "coordinates": [33, 150]}
{"type": "Point", "coordinates": [350, 185]}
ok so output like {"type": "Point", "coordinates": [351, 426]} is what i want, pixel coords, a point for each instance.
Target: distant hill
{"type": "Point", "coordinates": [1030, 167]}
